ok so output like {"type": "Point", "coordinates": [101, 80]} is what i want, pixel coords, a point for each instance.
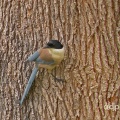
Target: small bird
{"type": "Point", "coordinates": [47, 57]}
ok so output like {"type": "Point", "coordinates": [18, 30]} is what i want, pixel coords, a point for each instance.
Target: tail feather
{"type": "Point", "coordinates": [32, 77]}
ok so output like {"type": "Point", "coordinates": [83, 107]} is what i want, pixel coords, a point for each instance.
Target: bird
{"type": "Point", "coordinates": [47, 57]}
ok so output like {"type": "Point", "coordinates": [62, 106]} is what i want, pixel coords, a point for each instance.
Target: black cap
{"type": "Point", "coordinates": [54, 44]}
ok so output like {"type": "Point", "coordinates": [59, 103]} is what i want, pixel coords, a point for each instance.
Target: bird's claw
{"type": "Point", "coordinates": [57, 79]}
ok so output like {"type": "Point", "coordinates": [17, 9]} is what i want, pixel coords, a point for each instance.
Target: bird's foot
{"type": "Point", "coordinates": [57, 79]}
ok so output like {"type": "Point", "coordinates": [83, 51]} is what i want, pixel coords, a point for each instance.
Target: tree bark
{"type": "Point", "coordinates": [90, 33]}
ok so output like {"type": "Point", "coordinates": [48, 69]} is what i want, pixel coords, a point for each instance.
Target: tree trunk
{"type": "Point", "coordinates": [90, 33]}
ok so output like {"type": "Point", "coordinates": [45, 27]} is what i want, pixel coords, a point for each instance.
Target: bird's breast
{"type": "Point", "coordinates": [57, 54]}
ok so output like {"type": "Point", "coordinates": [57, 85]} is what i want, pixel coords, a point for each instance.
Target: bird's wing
{"type": "Point", "coordinates": [34, 56]}
{"type": "Point", "coordinates": [45, 57]}
{"type": "Point", "coordinates": [41, 61]}
{"type": "Point", "coordinates": [42, 56]}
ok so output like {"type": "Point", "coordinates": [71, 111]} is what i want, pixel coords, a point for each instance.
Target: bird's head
{"type": "Point", "coordinates": [54, 44]}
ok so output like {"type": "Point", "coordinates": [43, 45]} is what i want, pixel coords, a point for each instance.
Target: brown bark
{"type": "Point", "coordinates": [90, 32]}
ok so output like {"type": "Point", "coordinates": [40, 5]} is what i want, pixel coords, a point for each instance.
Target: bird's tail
{"type": "Point", "coordinates": [32, 77]}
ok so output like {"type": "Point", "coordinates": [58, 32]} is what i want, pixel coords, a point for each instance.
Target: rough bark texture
{"type": "Point", "coordinates": [90, 32]}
